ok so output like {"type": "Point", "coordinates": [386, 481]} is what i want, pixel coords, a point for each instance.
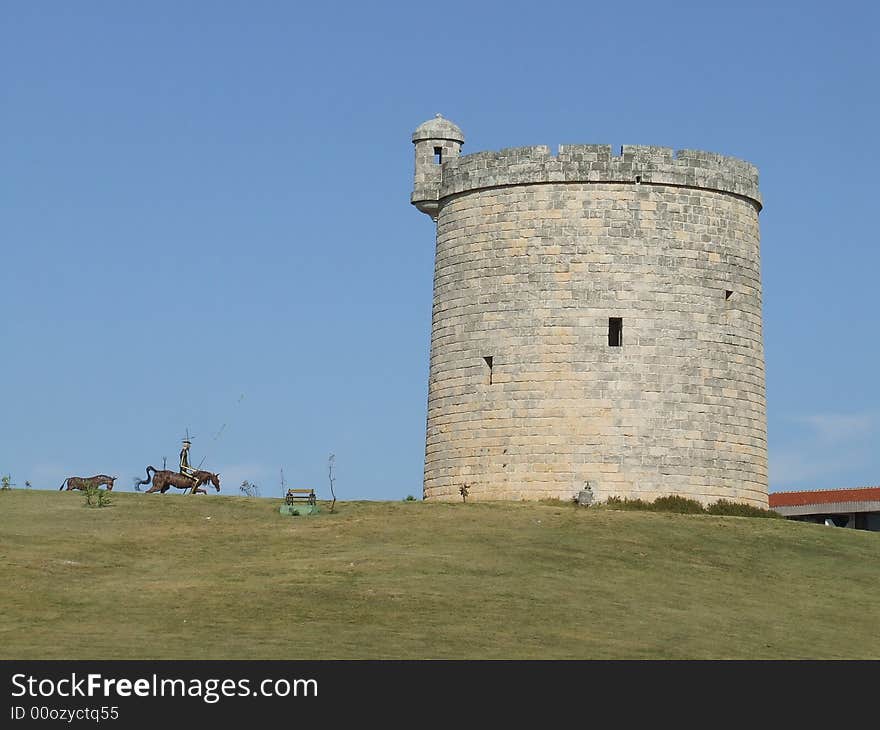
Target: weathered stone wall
{"type": "Point", "coordinates": [596, 163]}
{"type": "Point", "coordinates": [535, 253]}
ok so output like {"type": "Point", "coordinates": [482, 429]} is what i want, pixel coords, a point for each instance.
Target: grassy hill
{"type": "Point", "coordinates": [215, 577]}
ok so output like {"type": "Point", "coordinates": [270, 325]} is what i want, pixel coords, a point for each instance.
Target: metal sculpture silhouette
{"type": "Point", "coordinates": [86, 482]}
{"type": "Point", "coordinates": [163, 479]}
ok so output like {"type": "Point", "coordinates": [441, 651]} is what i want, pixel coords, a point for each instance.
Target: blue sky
{"type": "Point", "coordinates": [205, 218]}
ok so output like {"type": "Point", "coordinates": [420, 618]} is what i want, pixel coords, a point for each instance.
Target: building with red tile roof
{"type": "Point", "coordinates": [857, 507]}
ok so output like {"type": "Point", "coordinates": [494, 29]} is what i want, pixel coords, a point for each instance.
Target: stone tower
{"type": "Point", "coordinates": [596, 322]}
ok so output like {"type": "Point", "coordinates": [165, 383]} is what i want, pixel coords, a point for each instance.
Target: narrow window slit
{"type": "Point", "coordinates": [488, 360]}
{"type": "Point", "coordinates": [438, 155]}
{"type": "Point", "coordinates": [728, 294]}
{"type": "Point", "coordinates": [615, 331]}
{"type": "Point", "coordinates": [638, 179]}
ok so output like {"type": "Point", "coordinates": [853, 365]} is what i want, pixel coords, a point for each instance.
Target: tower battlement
{"type": "Point", "coordinates": [584, 163]}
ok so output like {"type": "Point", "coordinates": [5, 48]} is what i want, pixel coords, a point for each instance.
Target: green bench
{"type": "Point", "coordinates": [300, 495]}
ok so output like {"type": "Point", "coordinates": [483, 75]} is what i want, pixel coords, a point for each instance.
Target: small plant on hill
{"type": "Point", "coordinates": [5, 483]}
{"type": "Point", "coordinates": [330, 460]}
{"type": "Point", "coordinates": [680, 505]}
{"type": "Point", "coordinates": [737, 509]}
{"type": "Point", "coordinates": [557, 502]}
{"type": "Point", "coordinates": [626, 503]}
{"type": "Point", "coordinates": [97, 497]}
{"type": "Point", "coordinates": [464, 491]}
{"type": "Point", "coordinates": [248, 489]}
{"type": "Point", "coordinates": [409, 498]}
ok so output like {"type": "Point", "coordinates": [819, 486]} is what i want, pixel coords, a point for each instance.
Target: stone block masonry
{"type": "Point", "coordinates": [596, 319]}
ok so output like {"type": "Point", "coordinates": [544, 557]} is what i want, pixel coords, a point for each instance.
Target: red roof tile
{"type": "Point", "coordinates": [824, 496]}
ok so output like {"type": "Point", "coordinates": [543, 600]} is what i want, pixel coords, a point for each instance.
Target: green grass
{"type": "Point", "coordinates": [175, 577]}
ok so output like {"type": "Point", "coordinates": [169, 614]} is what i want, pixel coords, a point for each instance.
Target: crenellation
{"type": "Point", "coordinates": [637, 164]}
{"type": "Point", "coordinates": [647, 154]}
{"type": "Point", "coordinates": [584, 153]}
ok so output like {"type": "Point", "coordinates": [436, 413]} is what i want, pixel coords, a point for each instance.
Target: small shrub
{"type": "Point", "coordinates": [627, 504]}
{"type": "Point", "coordinates": [409, 498]}
{"type": "Point", "coordinates": [97, 497]}
{"type": "Point", "coordinates": [5, 483]}
{"type": "Point", "coordinates": [679, 505]}
{"type": "Point", "coordinates": [737, 509]}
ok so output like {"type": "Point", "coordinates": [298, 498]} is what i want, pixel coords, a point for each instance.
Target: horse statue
{"type": "Point", "coordinates": [85, 483]}
{"type": "Point", "coordinates": [164, 479]}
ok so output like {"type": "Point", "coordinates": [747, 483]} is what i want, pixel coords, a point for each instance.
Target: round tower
{"type": "Point", "coordinates": [596, 323]}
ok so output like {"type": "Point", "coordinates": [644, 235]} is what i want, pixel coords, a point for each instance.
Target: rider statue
{"type": "Point", "coordinates": [185, 467]}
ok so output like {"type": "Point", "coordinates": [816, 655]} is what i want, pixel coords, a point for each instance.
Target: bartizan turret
{"type": "Point", "coordinates": [436, 141]}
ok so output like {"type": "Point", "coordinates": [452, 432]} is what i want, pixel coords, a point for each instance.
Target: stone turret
{"type": "Point", "coordinates": [436, 141]}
